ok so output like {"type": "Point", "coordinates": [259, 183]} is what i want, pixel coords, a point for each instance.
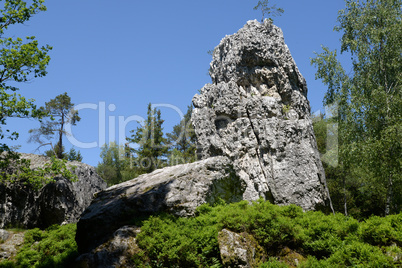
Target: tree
{"type": "Point", "coordinates": [368, 100]}
{"type": "Point", "coordinates": [61, 108]}
{"type": "Point", "coordinates": [152, 149]}
{"type": "Point", "coordinates": [20, 61]}
{"type": "Point", "coordinates": [112, 165]}
{"type": "Point", "coordinates": [183, 141]}
{"type": "Point", "coordinates": [74, 155]}
{"type": "Point", "coordinates": [268, 10]}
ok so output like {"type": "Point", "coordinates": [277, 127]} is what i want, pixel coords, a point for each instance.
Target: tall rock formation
{"type": "Point", "coordinates": [257, 114]}
{"type": "Point", "coordinates": [255, 140]}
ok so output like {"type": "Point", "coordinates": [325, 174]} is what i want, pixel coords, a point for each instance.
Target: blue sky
{"type": "Point", "coordinates": [115, 57]}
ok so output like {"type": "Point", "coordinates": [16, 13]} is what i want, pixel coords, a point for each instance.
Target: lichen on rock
{"type": "Point", "coordinates": [257, 114]}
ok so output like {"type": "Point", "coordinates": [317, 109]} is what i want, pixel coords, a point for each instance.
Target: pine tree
{"type": "Point", "coordinates": [60, 112]}
{"type": "Point", "coordinates": [183, 141]}
{"type": "Point", "coordinates": [152, 148]}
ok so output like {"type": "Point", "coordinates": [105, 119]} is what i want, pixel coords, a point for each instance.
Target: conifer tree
{"type": "Point", "coordinates": [60, 112]}
{"type": "Point", "coordinates": [183, 141]}
{"type": "Point", "coordinates": [152, 148]}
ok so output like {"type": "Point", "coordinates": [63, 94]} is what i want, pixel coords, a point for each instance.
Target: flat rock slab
{"type": "Point", "coordinates": [178, 190]}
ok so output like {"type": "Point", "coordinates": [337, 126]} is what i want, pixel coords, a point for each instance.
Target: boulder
{"type": "Point", "coordinates": [10, 244]}
{"type": "Point", "coordinates": [118, 252]}
{"type": "Point", "coordinates": [178, 190]}
{"type": "Point", "coordinates": [4, 235]}
{"type": "Point", "coordinates": [257, 114]}
{"type": "Point", "coordinates": [239, 250]}
{"type": "Point", "coordinates": [59, 202]}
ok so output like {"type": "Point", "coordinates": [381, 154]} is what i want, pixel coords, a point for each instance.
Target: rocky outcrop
{"type": "Point", "coordinates": [257, 114]}
{"type": "Point", "coordinates": [59, 202]}
{"type": "Point", "coordinates": [255, 140]}
{"type": "Point", "coordinates": [178, 190]}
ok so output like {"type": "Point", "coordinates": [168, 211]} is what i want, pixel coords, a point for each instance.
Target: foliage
{"type": "Point", "coordinates": [169, 241]}
{"type": "Point", "coordinates": [112, 165]}
{"type": "Point", "coordinates": [60, 107]}
{"type": "Point", "coordinates": [182, 141]}
{"type": "Point", "coordinates": [152, 149]}
{"type": "Point", "coordinates": [267, 10]}
{"type": "Point", "coordinates": [72, 155]}
{"type": "Point", "coordinates": [326, 240]}
{"type": "Point", "coordinates": [55, 247]}
{"type": "Point", "coordinates": [20, 61]}
{"type": "Point", "coordinates": [368, 102]}
{"type": "Point", "coordinates": [21, 172]}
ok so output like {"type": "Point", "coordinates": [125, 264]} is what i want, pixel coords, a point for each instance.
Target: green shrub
{"type": "Point", "coordinates": [179, 242]}
{"type": "Point", "coordinates": [168, 241]}
{"type": "Point", "coordinates": [273, 263]}
{"type": "Point", "coordinates": [54, 247]}
{"type": "Point", "coordinates": [326, 240]}
{"type": "Point", "coordinates": [358, 254]}
{"type": "Point", "coordinates": [382, 231]}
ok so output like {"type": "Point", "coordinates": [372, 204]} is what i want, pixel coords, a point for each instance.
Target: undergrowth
{"type": "Point", "coordinates": [168, 241]}
{"type": "Point", "coordinates": [53, 247]}
{"type": "Point", "coordinates": [325, 240]}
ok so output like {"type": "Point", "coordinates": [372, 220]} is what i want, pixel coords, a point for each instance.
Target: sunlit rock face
{"type": "Point", "coordinates": [257, 114]}
{"type": "Point", "coordinates": [255, 140]}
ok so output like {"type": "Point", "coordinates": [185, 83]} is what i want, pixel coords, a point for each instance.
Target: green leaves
{"type": "Point", "coordinates": [54, 247]}
{"type": "Point", "coordinates": [19, 170]}
{"type": "Point", "coordinates": [59, 112]}
{"type": "Point", "coordinates": [17, 11]}
{"type": "Point", "coordinates": [267, 10]}
{"type": "Point", "coordinates": [182, 141]}
{"type": "Point", "coordinates": [22, 60]}
{"type": "Point", "coordinates": [151, 142]}
{"type": "Point", "coordinates": [335, 240]}
{"type": "Point", "coordinates": [368, 100]}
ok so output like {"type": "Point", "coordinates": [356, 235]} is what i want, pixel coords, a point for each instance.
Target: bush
{"type": "Point", "coordinates": [326, 240]}
{"type": "Point", "coordinates": [168, 241]}
{"type": "Point", "coordinates": [54, 247]}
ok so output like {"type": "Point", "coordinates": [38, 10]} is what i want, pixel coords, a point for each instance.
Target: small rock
{"type": "Point", "coordinates": [239, 250]}
{"type": "Point", "coordinates": [4, 235]}
{"type": "Point", "coordinates": [10, 247]}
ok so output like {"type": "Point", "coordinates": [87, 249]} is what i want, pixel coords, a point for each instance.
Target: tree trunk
{"type": "Point", "coordinates": [60, 152]}
{"type": "Point", "coordinates": [388, 201]}
{"type": "Point", "coordinates": [344, 197]}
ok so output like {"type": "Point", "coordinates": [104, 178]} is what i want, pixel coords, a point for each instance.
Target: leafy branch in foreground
{"type": "Point", "coordinates": [21, 60]}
